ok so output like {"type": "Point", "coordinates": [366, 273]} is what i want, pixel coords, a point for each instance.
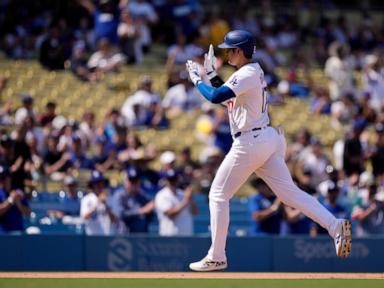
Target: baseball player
{"type": "Point", "coordinates": [257, 147]}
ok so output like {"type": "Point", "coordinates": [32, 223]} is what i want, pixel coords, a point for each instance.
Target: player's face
{"type": "Point", "coordinates": [232, 56]}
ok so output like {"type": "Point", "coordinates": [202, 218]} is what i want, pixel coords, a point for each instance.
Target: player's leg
{"type": "Point", "coordinates": [276, 174]}
{"type": "Point", "coordinates": [232, 173]}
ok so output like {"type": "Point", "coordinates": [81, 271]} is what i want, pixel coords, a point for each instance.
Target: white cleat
{"type": "Point", "coordinates": [343, 239]}
{"type": "Point", "coordinates": [206, 265]}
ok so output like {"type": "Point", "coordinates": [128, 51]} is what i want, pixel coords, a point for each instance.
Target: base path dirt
{"type": "Point", "coordinates": [191, 275]}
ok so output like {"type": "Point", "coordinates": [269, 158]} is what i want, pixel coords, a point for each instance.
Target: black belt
{"type": "Point", "coordinates": [238, 134]}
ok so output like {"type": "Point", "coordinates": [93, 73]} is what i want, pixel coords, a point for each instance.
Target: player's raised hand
{"type": "Point", "coordinates": [210, 63]}
{"type": "Point", "coordinates": [193, 71]}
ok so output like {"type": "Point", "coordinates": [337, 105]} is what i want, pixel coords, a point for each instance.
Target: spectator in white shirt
{"type": "Point", "coordinates": [181, 97]}
{"type": "Point", "coordinates": [129, 36]}
{"type": "Point", "coordinates": [95, 209]}
{"type": "Point", "coordinates": [175, 208]}
{"type": "Point", "coordinates": [105, 60]}
{"type": "Point", "coordinates": [26, 110]}
{"type": "Point", "coordinates": [373, 82]}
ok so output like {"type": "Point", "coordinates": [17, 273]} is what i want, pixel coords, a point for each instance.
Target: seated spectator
{"type": "Point", "coordinates": [78, 64]}
{"type": "Point", "coordinates": [136, 107]}
{"type": "Point", "coordinates": [182, 97]}
{"type": "Point", "coordinates": [95, 208]}
{"type": "Point", "coordinates": [265, 209]}
{"type": "Point", "coordinates": [312, 164]}
{"type": "Point", "coordinates": [112, 123]}
{"type": "Point", "coordinates": [24, 111]}
{"type": "Point", "coordinates": [370, 215]}
{"type": "Point", "coordinates": [132, 206]}
{"type": "Point", "coordinates": [344, 110]}
{"type": "Point", "coordinates": [56, 163]}
{"type": "Point", "coordinates": [321, 103]}
{"type": "Point", "coordinates": [331, 203]}
{"type": "Point", "coordinates": [49, 114]}
{"type": "Point", "coordinates": [70, 197]}
{"type": "Point", "coordinates": [102, 158]}
{"type": "Point", "coordinates": [175, 208]}
{"type": "Point", "coordinates": [104, 60]}
{"type": "Point", "coordinates": [13, 204]}
{"type": "Point", "coordinates": [295, 88]}
{"type": "Point", "coordinates": [134, 150]}
{"type": "Point", "coordinates": [78, 157]}
{"type": "Point", "coordinates": [180, 52]}
{"type": "Point", "coordinates": [297, 222]}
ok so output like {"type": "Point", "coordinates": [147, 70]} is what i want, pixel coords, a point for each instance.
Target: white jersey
{"type": "Point", "coordinates": [248, 109]}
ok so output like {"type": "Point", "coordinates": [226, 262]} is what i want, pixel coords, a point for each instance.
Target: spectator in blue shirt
{"type": "Point", "coordinates": [266, 210]}
{"type": "Point", "coordinates": [132, 206]}
{"type": "Point", "coordinates": [331, 203]}
{"type": "Point", "coordinates": [106, 18]}
{"type": "Point", "coordinates": [13, 204]}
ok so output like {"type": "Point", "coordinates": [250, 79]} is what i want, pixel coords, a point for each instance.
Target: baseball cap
{"type": "Point", "coordinates": [167, 157]}
{"type": "Point", "coordinates": [132, 174]}
{"type": "Point", "coordinates": [97, 176]}
{"type": "Point", "coordinates": [171, 174]}
{"type": "Point", "coordinates": [26, 98]}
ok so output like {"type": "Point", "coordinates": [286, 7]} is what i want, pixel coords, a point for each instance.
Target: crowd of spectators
{"type": "Point", "coordinates": [92, 38]}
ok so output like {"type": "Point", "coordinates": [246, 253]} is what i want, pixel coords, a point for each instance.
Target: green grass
{"type": "Point", "coordinates": [185, 283]}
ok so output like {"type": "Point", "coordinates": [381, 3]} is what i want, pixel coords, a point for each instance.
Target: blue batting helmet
{"type": "Point", "coordinates": [239, 39]}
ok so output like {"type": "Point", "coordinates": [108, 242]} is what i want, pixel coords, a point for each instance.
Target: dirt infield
{"type": "Point", "coordinates": [190, 275]}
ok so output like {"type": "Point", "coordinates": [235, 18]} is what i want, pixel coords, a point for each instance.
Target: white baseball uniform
{"type": "Point", "coordinates": [261, 151]}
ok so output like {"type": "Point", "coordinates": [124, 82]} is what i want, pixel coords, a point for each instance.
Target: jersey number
{"type": "Point", "coordinates": [264, 104]}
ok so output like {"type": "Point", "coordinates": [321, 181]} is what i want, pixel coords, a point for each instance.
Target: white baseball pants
{"type": "Point", "coordinates": [261, 152]}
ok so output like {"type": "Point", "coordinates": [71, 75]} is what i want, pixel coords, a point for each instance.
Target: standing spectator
{"type": "Point", "coordinates": [95, 209]}
{"type": "Point", "coordinates": [87, 128]}
{"type": "Point", "coordinates": [265, 210]}
{"type": "Point", "coordinates": [132, 206]}
{"type": "Point", "coordinates": [52, 51]}
{"type": "Point", "coordinates": [13, 204]}
{"type": "Point", "coordinates": [24, 111]}
{"type": "Point", "coordinates": [129, 34]}
{"type": "Point", "coordinates": [370, 215]}
{"type": "Point", "coordinates": [373, 81]}
{"type": "Point", "coordinates": [339, 70]}
{"type": "Point", "coordinates": [106, 18]}
{"type": "Point", "coordinates": [377, 157]}
{"type": "Point", "coordinates": [353, 157]}
{"type": "Point", "coordinates": [146, 17]}
{"type": "Point", "coordinates": [297, 222]}
{"type": "Point", "coordinates": [174, 208]}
